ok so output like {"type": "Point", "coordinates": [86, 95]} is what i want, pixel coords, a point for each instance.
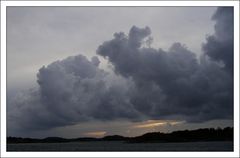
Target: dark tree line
{"type": "Point", "coordinates": [206, 134]}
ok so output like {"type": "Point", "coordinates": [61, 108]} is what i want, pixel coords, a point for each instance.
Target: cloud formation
{"type": "Point", "coordinates": [171, 83]}
{"type": "Point", "coordinates": [147, 83]}
{"type": "Point", "coordinates": [219, 47]}
{"type": "Point", "coordinates": [71, 91]}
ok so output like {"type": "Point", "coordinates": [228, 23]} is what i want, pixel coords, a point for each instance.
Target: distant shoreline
{"type": "Point", "coordinates": [199, 135]}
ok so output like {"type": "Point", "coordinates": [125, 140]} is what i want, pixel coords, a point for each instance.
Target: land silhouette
{"type": "Point", "coordinates": [198, 135]}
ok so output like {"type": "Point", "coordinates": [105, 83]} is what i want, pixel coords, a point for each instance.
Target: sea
{"type": "Point", "coordinates": [122, 146]}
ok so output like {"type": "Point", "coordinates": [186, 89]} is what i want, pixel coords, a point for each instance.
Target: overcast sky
{"type": "Point", "coordinates": [40, 36]}
{"type": "Point", "coordinates": [37, 36]}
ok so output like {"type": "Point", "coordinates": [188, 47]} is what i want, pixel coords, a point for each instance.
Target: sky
{"type": "Point", "coordinates": [96, 71]}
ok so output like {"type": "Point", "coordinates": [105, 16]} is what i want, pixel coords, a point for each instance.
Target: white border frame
{"type": "Point", "coordinates": [4, 5]}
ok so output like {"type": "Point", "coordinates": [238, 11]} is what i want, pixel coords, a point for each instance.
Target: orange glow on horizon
{"type": "Point", "coordinates": [96, 134]}
{"type": "Point", "coordinates": [156, 123]}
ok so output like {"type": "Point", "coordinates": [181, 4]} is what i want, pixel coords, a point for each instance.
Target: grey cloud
{"type": "Point", "coordinates": [37, 36]}
{"type": "Point", "coordinates": [147, 83]}
{"type": "Point", "coordinates": [219, 47]}
{"type": "Point", "coordinates": [25, 112]}
{"type": "Point", "coordinates": [136, 35]}
{"type": "Point", "coordinates": [174, 83]}
{"type": "Point", "coordinates": [71, 91]}
{"type": "Point", "coordinates": [95, 61]}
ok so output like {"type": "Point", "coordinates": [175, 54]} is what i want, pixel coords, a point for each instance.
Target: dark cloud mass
{"type": "Point", "coordinates": [71, 91]}
{"type": "Point", "coordinates": [219, 46]}
{"type": "Point", "coordinates": [174, 82]}
{"type": "Point", "coordinates": [147, 83]}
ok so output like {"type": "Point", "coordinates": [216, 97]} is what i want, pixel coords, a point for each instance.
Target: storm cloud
{"type": "Point", "coordinates": [174, 82]}
{"type": "Point", "coordinates": [219, 47]}
{"type": "Point", "coordinates": [71, 91]}
{"type": "Point", "coordinates": [146, 83]}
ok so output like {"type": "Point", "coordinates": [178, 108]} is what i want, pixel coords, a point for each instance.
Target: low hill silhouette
{"type": "Point", "coordinates": [206, 134]}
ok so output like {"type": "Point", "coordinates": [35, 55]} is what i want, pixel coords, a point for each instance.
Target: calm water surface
{"type": "Point", "coordinates": [122, 146]}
